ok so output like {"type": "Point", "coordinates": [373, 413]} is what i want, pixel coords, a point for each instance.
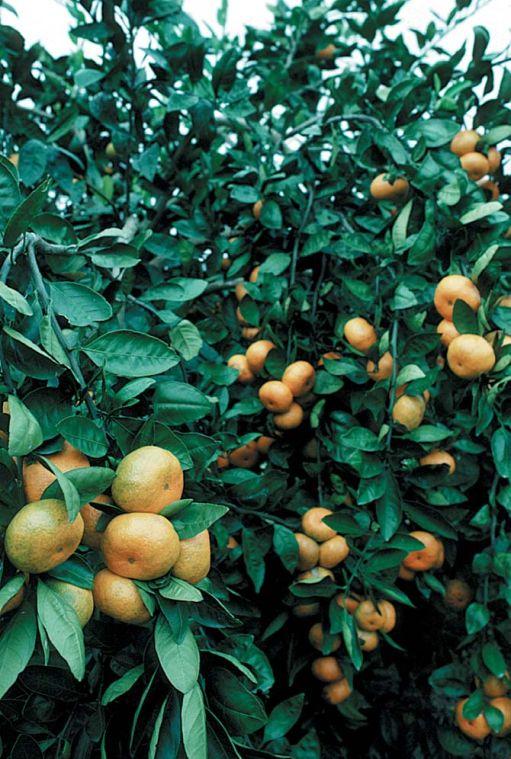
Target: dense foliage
{"type": "Point", "coordinates": [140, 186]}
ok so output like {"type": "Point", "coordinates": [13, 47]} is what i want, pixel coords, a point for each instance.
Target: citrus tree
{"type": "Point", "coordinates": [280, 266]}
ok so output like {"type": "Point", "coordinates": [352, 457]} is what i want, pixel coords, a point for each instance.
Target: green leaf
{"type": "Point", "coordinates": [20, 221]}
{"type": "Point", "coordinates": [501, 449]}
{"type": "Point", "coordinates": [193, 720]}
{"type": "Point", "coordinates": [122, 685]}
{"type": "Point", "coordinates": [17, 644]}
{"type": "Point", "coordinates": [179, 661]}
{"type": "Point", "coordinates": [62, 627]}
{"type": "Point", "coordinates": [85, 434]}
{"type": "Point", "coordinates": [178, 403]}
{"type": "Point", "coordinates": [283, 717]}
{"type": "Point", "coordinates": [477, 617]}
{"type": "Point", "coordinates": [465, 320]}
{"type": "Point", "coordinates": [186, 339]}
{"type": "Point", "coordinates": [276, 264]}
{"type": "Point", "coordinates": [131, 354]}
{"type": "Point", "coordinates": [179, 590]}
{"type": "Point", "coordinates": [400, 227]}
{"type": "Point", "coordinates": [89, 481]}
{"type": "Point", "coordinates": [197, 517]}
{"type": "Point", "coordinates": [25, 434]}
{"type": "Point", "coordinates": [70, 493]}
{"type": "Point", "coordinates": [9, 192]}
{"type": "Point", "coordinates": [153, 743]}
{"type": "Point", "coordinates": [33, 161]}
{"type": "Point", "coordinates": [15, 299]}
{"type": "Point", "coordinates": [285, 546]}
{"type": "Point", "coordinates": [10, 589]}
{"type": "Point", "coordinates": [480, 211]}
{"type": "Point", "coordinates": [241, 711]}
{"type": "Point", "coordinates": [253, 556]}
{"type": "Point", "coordinates": [79, 304]}
{"type": "Point", "coordinates": [494, 660]}
{"type": "Point", "coordinates": [271, 215]}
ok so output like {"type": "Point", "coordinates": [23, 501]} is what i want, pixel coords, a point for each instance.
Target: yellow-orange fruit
{"type": "Point", "coordinates": [382, 189]}
{"type": "Point", "coordinates": [257, 208]}
{"type": "Point", "coordinates": [275, 396]}
{"type": "Point", "coordinates": [371, 617]}
{"type": "Point", "coordinates": [246, 456]}
{"type": "Point", "coordinates": [80, 599]}
{"type": "Point", "coordinates": [91, 516]}
{"type": "Point", "coordinates": [457, 594]}
{"type": "Point", "coordinates": [496, 340]}
{"type": "Point", "coordinates": [299, 377]}
{"type": "Point", "coordinates": [310, 449]}
{"type": "Point", "coordinates": [494, 686]}
{"type": "Point", "coordinates": [455, 287]}
{"type": "Point", "coordinates": [490, 187]}
{"type": "Point", "coordinates": [289, 419]}
{"type": "Point", "coordinates": [264, 443]}
{"type": "Point", "coordinates": [148, 479]}
{"type": "Point", "coordinates": [250, 333]}
{"type": "Point", "coordinates": [360, 334]}
{"type": "Point", "coordinates": [465, 141]}
{"type": "Point", "coordinates": [381, 370]}
{"type": "Point", "coordinates": [240, 363]}
{"type": "Point", "coordinates": [368, 640]}
{"type": "Point", "coordinates": [437, 458]}
{"type": "Point", "coordinates": [313, 525]}
{"type": "Point", "coordinates": [308, 551]}
{"type": "Point", "coordinates": [240, 291]}
{"type": "Point", "coordinates": [194, 560]}
{"type": "Point", "coordinates": [222, 461]}
{"type": "Point", "coordinates": [329, 356]}
{"type": "Point", "coordinates": [349, 603]}
{"type": "Point", "coordinates": [503, 704]}
{"type": "Point", "coordinates": [257, 353]}
{"type": "Point", "coordinates": [327, 669]}
{"type": "Point", "coordinates": [226, 263]}
{"type": "Point", "coordinates": [475, 164]}
{"type": "Point", "coordinates": [254, 274]}
{"type": "Point", "coordinates": [333, 551]}
{"type": "Point", "coordinates": [406, 574]}
{"type": "Point", "coordinates": [306, 609]}
{"type": "Point", "coordinates": [36, 477]}
{"type": "Point", "coordinates": [476, 728]}
{"type": "Point", "coordinates": [409, 411]}
{"type": "Point", "coordinates": [140, 546]}
{"type": "Point", "coordinates": [316, 573]}
{"type": "Point", "coordinates": [119, 598]}
{"type": "Point", "coordinates": [425, 558]}
{"type": "Point", "coordinates": [470, 356]}
{"type": "Point", "coordinates": [13, 602]}
{"type": "Point", "coordinates": [338, 692]}
{"type": "Point", "coordinates": [447, 332]}
{"type": "Point", "coordinates": [326, 53]}
{"type": "Point", "coordinates": [14, 158]}
{"type": "Point", "coordinates": [317, 639]}
{"type": "Point", "coordinates": [494, 159]}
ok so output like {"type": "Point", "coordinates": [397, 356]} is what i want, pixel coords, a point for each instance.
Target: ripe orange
{"type": "Point", "coordinates": [119, 598]}
{"type": "Point", "coordinates": [148, 479]}
{"type": "Point", "coordinates": [80, 599]}
{"type": "Point", "coordinates": [329, 356]}
{"type": "Point", "coordinates": [333, 551]}
{"type": "Point", "coordinates": [457, 594]}
{"type": "Point", "coordinates": [494, 159]}
{"type": "Point", "coordinates": [470, 356]}
{"type": "Point", "coordinates": [299, 377]}
{"type": "Point", "coordinates": [349, 603]}
{"type": "Point", "coordinates": [452, 288]}
{"type": "Point", "coordinates": [40, 536]}
{"type": "Point", "coordinates": [91, 516]}
{"type": "Point", "coordinates": [257, 208]}
{"type": "Point", "coordinates": [194, 560]}
{"type": "Point", "coordinates": [424, 558]}
{"type": "Point", "coordinates": [494, 686]}
{"type": "Point", "coordinates": [476, 728]}
{"type": "Point", "coordinates": [289, 419]}
{"type": "Point", "coordinates": [246, 456]}
{"type": "Point", "coordinates": [360, 334]}
{"type": "Point", "coordinates": [308, 551]}
{"type": "Point", "coordinates": [326, 53]}
{"type": "Point", "coordinates": [503, 704]}
{"type": "Point", "coordinates": [36, 478]}
{"type": "Point", "coordinates": [275, 396]}
{"type": "Point", "coordinates": [140, 546]}
{"type": "Point", "coordinates": [264, 443]}
{"type": "Point", "coordinates": [306, 609]}
{"type": "Point", "coordinates": [490, 187]}
{"type": "Point", "coordinates": [371, 617]}
{"type": "Point", "coordinates": [317, 639]}
{"type": "Point", "coordinates": [313, 525]}
{"type": "Point", "coordinates": [13, 602]}
{"type": "Point", "coordinates": [436, 458]}
{"type": "Point", "coordinates": [257, 353]}
{"type": "Point", "coordinates": [240, 363]}
{"type": "Point", "coordinates": [382, 369]}
{"type": "Point", "coordinates": [336, 693]}
{"type": "Point", "coordinates": [406, 574]}
{"type": "Point", "coordinates": [222, 461]}
{"type": "Point", "coordinates": [382, 189]}
{"type": "Point", "coordinates": [316, 573]}
{"type": "Point", "coordinates": [475, 164]}
{"type": "Point", "coordinates": [226, 263]}
{"type": "Point", "coordinates": [368, 640]}
{"type": "Point", "coordinates": [14, 158]}
{"type": "Point", "coordinates": [327, 669]}
{"type": "Point", "coordinates": [409, 411]}
{"type": "Point", "coordinates": [240, 291]}
{"type": "Point", "coordinates": [250, 333]}
{"type": "Point", "coordinates": [254, 274]}
{"type": "Point", "coordinates": [447, 332]}
{"type": "Point", "coordinates": [465, 141]}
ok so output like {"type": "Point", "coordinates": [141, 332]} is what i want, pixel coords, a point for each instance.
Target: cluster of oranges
{"type": "Point", "coordinates": [464, 144]}
{"type": "Point", "coordinates": [477, 727]}
{"type": "Point", "coordinates": [431, 556]}
{"type": "Point", "coordinates": [246, 456]}
{"type": "Point", "coordinates": [139, 544]}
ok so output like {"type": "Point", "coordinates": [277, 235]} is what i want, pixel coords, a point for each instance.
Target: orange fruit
{"type": "Point", "coordinates": [222, 461]}
{"type": "Point", "coordinates": [289, 419]}
{"type": "Point", "coordinates": [327, 669]}
{"type": "Point", "coordinates": [326, 53]}
{"type": "Point", "coordinates": [250, 333]}
{"type": "Point", "coordinates": [382, 189]}
{"type": "Point", "coordinates": [490, 187]}
{"type": "Point", "coordinates": [494, 686]}
{"type": "Point", "coordinates": [424, 558]}
{"type": "Point", "coordinates": [406, 574]}
{"type": "Point", "coordinates": [333, 551]}
{"type": "Point", "coordinates": [336, 693]}
{"type": "Point", "coordinates": [382, 369]}
{"type": "Point", "coordinates": [240, 363]}
{"type": "Point", "coordinates": [91, 516]}
{"type": "Point", "coordinates": [475, 164]}
{"type": "Point", "coordinates": [349, 603]}
{"type": "Point", "coordinates": [447, 332]}
{"type": "Point", "coordinates": [503, 704]}
{"type": "Point", "coordinates": [409, 411]}
{"type": "Point", "coordinates": [246, 456]}
{"type": "Point", "coordinates": [452, 288]}
{"type": "Point", "coordinates": [40, 536]}
{"type": "Point", "coordinates": [360, 334]}
{"type": "Point", "coordinates": [257, 353]}
{"type": "Point", "coordinates": [275, 396]}
{"type": "Point", "coordinates": [317, 639]}
{"type": "Point", "coordinates": [465, 141]}
{"type": "Point", "coordinates": [316, 573]}
{"type": "Point", "coordinates": [226, 263]}
{"type": "Point", "coordinates": [257, 208]}
{"type": "Point", "coordinates": [306, 609]}
{"type": "Point", "coordinates": [148, 479]}
{"type": "Point", "coordinates": [299, 377]}
{"type": "Point", "coordinates": [329, 356]}
{"type": "Point", "coordinates": [437, 458]}
{"type": "Point", "coordinates": [194, 560]}
{"type": "Point", "coordinates": [36, 478]}
{"type": "Point", "coordinates": [308, 551]}
{"type": "Point", "coordinates": [368, 640]}
{"type": "Point", "coordinates": [470, 356]}
{"type": "Point", "coordinates": [476, 728]}
{"type": "Point", "coordinates": [14, 158]}
{"type": "Point", "coordinates": [140, 546]}
{"type": "Point", "coordinates": [254, 274]}
{"type": "Point", "coordinates": [13, 602]}
{"type": "Point", "coordinates": [79, 599]}
{"type": "Point", "coordinates": [457, 594]}
{"type": "Point", "coordinates": [240, 291]}
{"type": "Point", "coordinates": [494, 159]}
{"type": "Point", "coordinates": [264, 443]}
{"type": "Point", "coordinates": [371, 617]}
{"type": "Point", "coordinates": [119, 598]}
{"type": "Point", "coordinates": [313, 525]}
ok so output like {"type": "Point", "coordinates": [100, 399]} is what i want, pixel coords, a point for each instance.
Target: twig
{"type": "Point", "coordinates": [226, 284]}
{"type": "Point", "coordinates": [362, 117]}
{"type": "Point", "coordinates": [315, 298]}
{"type": "Point", "coordinates": [392, 394]}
